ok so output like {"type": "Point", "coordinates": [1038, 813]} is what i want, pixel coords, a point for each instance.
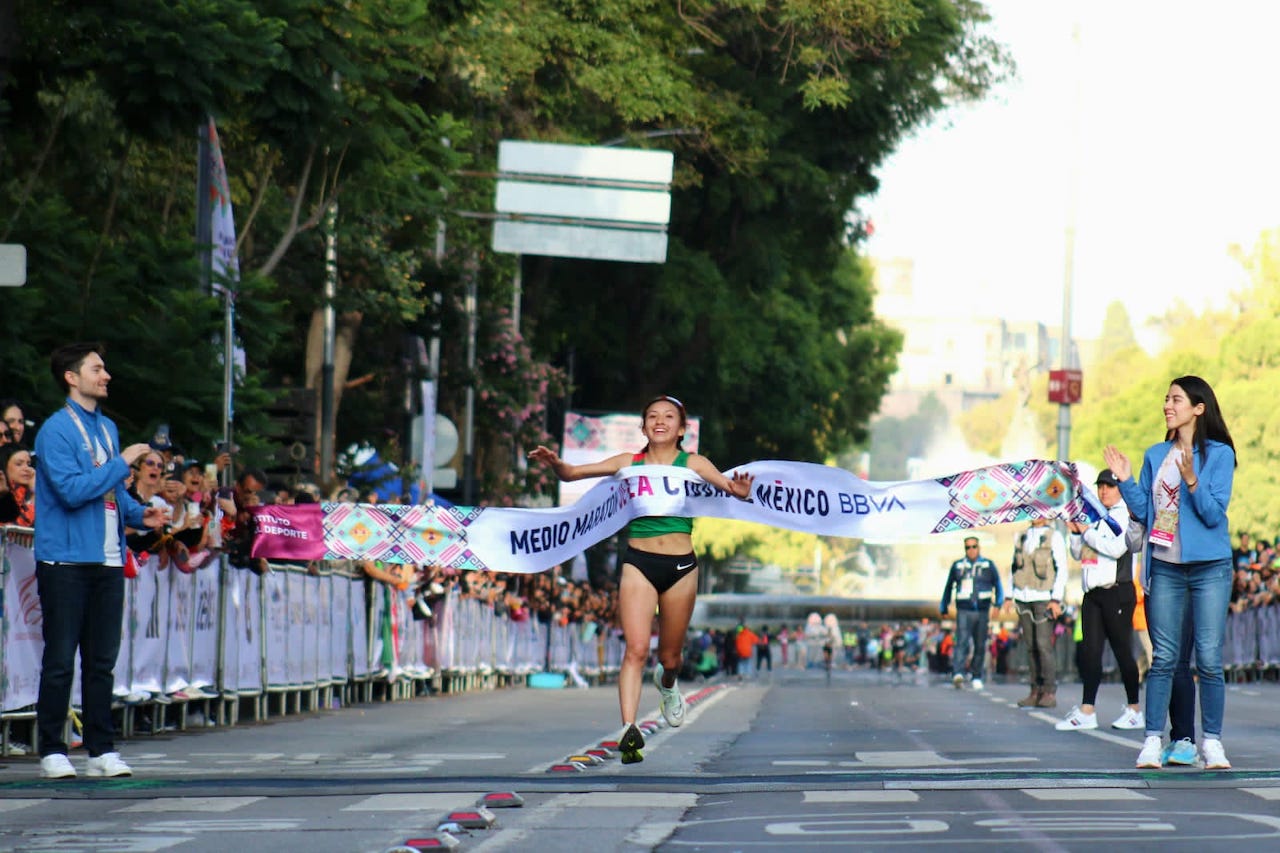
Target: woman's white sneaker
{"type": "Point", "coordinates": [1215, 758]}
{"type": "Point", "coordinates": [1130, 719]}
{"type": "Point", "coordinates": [1077, 720]}
{"type": "Point", "coordinates": [1149, 757]}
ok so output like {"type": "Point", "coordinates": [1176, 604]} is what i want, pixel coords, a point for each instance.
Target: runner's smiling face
{"type": "Point", "coordinates": [663, 423]}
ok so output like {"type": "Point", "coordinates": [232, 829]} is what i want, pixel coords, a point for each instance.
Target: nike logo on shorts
{"type": "Point", "coordinates": [680, 568]}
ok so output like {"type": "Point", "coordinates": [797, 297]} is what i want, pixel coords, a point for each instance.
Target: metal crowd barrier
{"type": "Point", "coordinates": [224, 641]}
{"type": "Point", "coordinates": [1251, 650]}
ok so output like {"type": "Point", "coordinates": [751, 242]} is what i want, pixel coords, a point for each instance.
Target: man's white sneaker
{"type": "Point", "coordinates": [976, 684]}
{"type": "Point", "coordinates": [108, 764]}
{"type": "Point", "coordinates": [1149, 757]}
{"type": "Point", "coordinates": [1077, 720]}
{"type": "Point", "coordinates": [672, 700]}
{"type": "Point", "coordinates": [56, 766]}
{"type": "Point", "coordinates": [1214, 756]}
{"type": "Point", "coordinates": [1130, 719]}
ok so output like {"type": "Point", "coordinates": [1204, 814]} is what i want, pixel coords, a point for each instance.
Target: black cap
{"type": "Point", "coordinates": [1106, 478]}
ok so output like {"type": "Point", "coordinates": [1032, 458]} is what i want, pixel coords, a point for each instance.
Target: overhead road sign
{"type": "Point", "coordinates": [583, 201]}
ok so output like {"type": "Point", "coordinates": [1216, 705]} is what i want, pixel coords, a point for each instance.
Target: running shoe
{"type": "Point", "coordinates": [1214, 756]}
{"type": "Point", "coordinates": [672, 700]}
{"type": "Point", "coordinates": [1181, 752]}
{"type": "Point", "coordinates": [108, 764]}
{"type": "Point", "coordinates": [1077, 720]}
{"type": "Point", "coordinates": [957, 680]}
{"type": "Point", "coordinates": [976, 684]}
{"type": "Point", "coordinates": [630, 744]}
{"type": "Point", "coordinates": [1129, 719]}
{"type": "Point", "coordinates": [1149, 757]}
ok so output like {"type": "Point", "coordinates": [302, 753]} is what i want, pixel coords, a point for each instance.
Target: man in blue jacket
{"type": "Point", "coordinates": [977, 588]}
{"type": "Point", "coordinates": [81, 511]}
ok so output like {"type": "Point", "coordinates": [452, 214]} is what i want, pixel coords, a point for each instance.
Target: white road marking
{"type": "Point", "coordinates": [1094, 733]}
{"type": "Point", "coordinates": [230, 824]}
{"type": "Point", "coordinates": [415, 802]}
{"type": "Point", "coordinates": [14, 805]}
{"type": "Point", "coordinates": [857, 826]}
{"type": "Point", "coordinates": [866, 796]}
{"type": "Point", "coordinates": [925, 758]}
{"type": "Point", "coordinates": [1070, 794]}
{"type": "Point", "coordinates": [625, 800]}
{"type": "Point", "coordinates": [1077, 823]}
{"type": "Point", "coordinates": [192, 804]}
{"type": "Point", "coordinates": [1263, 793]}
{"type": "Point", "coordinates": [652, 833]}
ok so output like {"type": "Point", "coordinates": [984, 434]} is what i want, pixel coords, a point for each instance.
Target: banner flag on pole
{"type": "Point", "coordinates": [797, 496]}
{"type": "Point", "coordinates": [226, 264]}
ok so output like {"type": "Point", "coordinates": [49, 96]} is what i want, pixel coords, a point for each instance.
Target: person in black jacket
{"type": "Point", "coordinates": [977, 588]}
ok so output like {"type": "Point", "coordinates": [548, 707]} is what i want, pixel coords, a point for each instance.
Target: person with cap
{"type": "Point", "coordinates": [1038, 583]}
{"type": "Point", "coordinates": [976, 583]}
{"type": "Point", "coordinates": [1106, 612]}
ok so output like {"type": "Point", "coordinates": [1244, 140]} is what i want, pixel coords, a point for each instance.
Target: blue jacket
{"type": "Point", "coordinates": [1202, 517]}
{"type": "Point", "coordinates": [985, 589]}
{"type": "Point", "coordinates": [71, 517]}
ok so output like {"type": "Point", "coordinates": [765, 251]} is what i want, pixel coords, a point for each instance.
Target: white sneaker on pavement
{"type": "Point", "coordinates": [1215, 758]}
{"type": "Point", "coordinates": [672, 700]}
{"type": "Point", "coordinates": [108, 764]}
{"type": "Point", "coordinates": [976, 684]}
{"type": "Point", "coordinates": [1076, 721]}
{"type": "Point", "coordinates": [1129, 719]}
{"type": "Point", "coordinates": [1149, 757]}
{"type": "Point", "coordinates": [56, 766]}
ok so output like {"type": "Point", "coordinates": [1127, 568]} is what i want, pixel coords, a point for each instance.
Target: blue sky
{"type": "Point", "coordinates": [1176, 153]}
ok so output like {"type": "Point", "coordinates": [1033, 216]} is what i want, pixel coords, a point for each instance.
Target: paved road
{"type": "Point", "coordinates": [784, 762]}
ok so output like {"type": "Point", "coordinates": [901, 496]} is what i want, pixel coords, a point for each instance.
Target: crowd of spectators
{"type": "Point", "coordinates": [1257, 575]}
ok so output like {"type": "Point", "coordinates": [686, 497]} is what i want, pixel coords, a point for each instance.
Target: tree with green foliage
{"type": "Point", "coordinates": [377, 113]}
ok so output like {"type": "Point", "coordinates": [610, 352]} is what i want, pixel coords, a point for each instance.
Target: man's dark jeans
{"type": "Point", "coordinates": [82, 606]}
{"type": "Point", "coordinates": [971, 637]}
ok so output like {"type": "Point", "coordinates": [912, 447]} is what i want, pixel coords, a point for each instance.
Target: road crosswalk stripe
{"type": "Point", "coordinates": [1263, 793]}
{"type": "Point", "coordinates": [416, 802]}
{"type": "Point", "coordinates": [14, 805]}
{"type": "Point", "coordinates": [867, 796]}
{"type": "Point", "coordinates": [1073, 794]}
{"type": "Point", "coordinates": [191, 804]}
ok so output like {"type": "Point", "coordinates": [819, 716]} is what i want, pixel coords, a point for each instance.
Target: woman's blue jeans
{"type": "Point", "coordinates": [1205, 590]}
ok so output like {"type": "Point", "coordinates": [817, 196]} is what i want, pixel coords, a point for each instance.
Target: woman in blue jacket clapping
{"type": "Point", "coordinates": [1182, 496]}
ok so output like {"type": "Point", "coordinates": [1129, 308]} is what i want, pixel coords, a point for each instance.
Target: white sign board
{"type": "Point", "coordinates": [13, 265]}
{"type": "Point", "coordinates": [576, 241]}
{"type": "Point", "coordinates": [582, 201]}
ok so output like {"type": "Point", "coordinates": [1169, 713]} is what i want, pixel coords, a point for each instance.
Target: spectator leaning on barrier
{"type": "Point", "coordinates": [79, 551]}
{"type": "Point", "coordinates": [237, 502]}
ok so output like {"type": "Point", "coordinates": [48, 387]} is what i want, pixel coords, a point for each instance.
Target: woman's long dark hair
{"type": "Point", "coordinates": [1209, 425]}
{"type": "Point", "coordinates": [684, 418]}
